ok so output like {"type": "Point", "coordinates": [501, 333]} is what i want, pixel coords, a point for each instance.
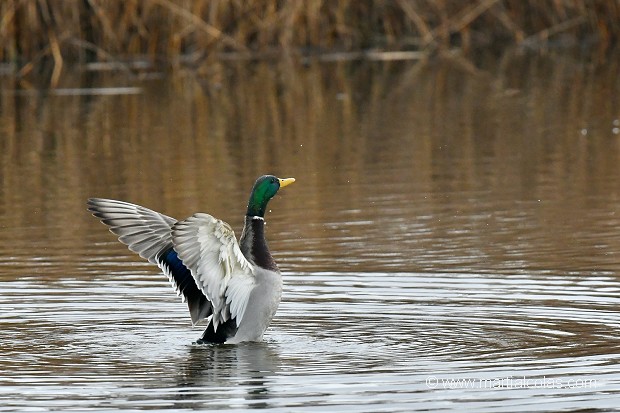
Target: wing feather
{"type": "Point", "coordinates": [208, 247]}
{"type": "Point", "coordinates": [148, 233]}
{"type": "Point", "coordinates": [134, 224]}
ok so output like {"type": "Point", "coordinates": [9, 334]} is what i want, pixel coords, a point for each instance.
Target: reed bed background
{"type": "Point", "coordinates": [173, 32]}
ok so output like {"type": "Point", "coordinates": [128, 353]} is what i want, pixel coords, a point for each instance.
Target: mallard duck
{"type": "Point", "coordinates": [235, 286]}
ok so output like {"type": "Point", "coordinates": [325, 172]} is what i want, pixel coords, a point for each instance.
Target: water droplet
{"type": "Point", "coordinates": [615, 131]}
{"type": "Point", "coordinates": [616, 122]}
{"type": "Point", "coordinates": [584, 132]}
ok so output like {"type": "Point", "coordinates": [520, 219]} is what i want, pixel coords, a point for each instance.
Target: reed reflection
{"type": "Point", "coordinates": [424, 166]}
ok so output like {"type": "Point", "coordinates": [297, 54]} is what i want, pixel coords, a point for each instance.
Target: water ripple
{"type": "Point", "coordinates": [338, 339]}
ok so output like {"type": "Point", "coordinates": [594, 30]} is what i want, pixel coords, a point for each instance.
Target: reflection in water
{"type": "Point", "coordinates": [451, 219]}
{"type": "Point", "coordinates": [509, 169]}
{"type": "Point", "coordinates": [208, 369]}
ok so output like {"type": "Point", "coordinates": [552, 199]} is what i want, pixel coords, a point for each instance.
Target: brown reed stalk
{"type": "Point", "coordinates": [166, 31]}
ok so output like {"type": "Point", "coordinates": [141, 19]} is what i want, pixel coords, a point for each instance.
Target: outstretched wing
{"type": "Point", "coordinates": [208, 247]}
{"type": "Point", "coordinates": [144, 231]}
{"type": "Point", "coordinates": [148, 233]}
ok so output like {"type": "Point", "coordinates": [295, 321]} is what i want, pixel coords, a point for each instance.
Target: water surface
{"type": "Point", "coordinates": [452, 241]}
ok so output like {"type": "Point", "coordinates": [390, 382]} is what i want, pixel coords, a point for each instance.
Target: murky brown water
{"type": "Point", "coordinates": [452, 241]}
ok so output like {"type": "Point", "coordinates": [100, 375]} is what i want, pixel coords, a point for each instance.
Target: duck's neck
{"type": "Point", "coordinates": [254, 245]}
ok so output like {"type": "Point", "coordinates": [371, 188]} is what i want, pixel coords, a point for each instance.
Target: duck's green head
{"type": "Point", "coordinates": [264, 189]}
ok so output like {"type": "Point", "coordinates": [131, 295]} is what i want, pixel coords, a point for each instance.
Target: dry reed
{"type": "Point", "coordinates": [174, 32]}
